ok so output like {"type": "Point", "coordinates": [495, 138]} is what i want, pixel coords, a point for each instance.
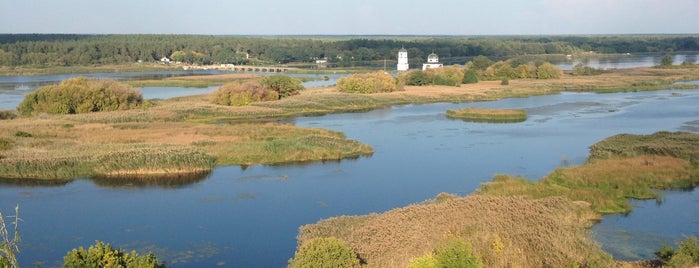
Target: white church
{"type": "Point", "coordinates": [403, 60]}
{"type": "Point", "coordinates": [432, 61]}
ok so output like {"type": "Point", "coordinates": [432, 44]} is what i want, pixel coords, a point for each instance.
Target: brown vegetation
{"type": "Point", "coordinates": [504, 231]}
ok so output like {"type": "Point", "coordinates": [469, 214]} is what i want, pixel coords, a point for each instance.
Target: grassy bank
{"type": "Point", "coordinates": [620, 167]}
{"type": "Point", "coordinates": [488, 115]}
{"type": "Point", "coordinates": [115, 68]}
{"type": "Point", "coordinates": [197, 81]}
{"type": "Point", "coordinates": [513, 222]}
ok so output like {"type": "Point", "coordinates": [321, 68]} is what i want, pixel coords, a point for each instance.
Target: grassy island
{"type": "Point", "coordinates": [489, 115]}
{"type": "Point", "coordinates": [516, 222]}
{"type": "Point", "coordinates": [55, 146]}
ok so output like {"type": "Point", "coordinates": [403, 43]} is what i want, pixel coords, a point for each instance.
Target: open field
{"type": "Point", "coordinates": [513, 222]}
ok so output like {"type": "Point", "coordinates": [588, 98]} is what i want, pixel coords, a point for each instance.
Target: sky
{"type": "Point", "coordinates": [350, 17]}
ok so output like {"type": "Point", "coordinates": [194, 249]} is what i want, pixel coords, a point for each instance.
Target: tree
{"type": "Point", "coordinates": [548, 71]}
{"type": "Point", "coordinates": [470, 77]}
{"type": "Point", "coordinates": [324, 253]}
{"type": "Point", "coordinates": [285, 86]}
{"type": "Point", "coordinates": [481, 62]}
{"type": "Point", "coordinates": [666, 61]}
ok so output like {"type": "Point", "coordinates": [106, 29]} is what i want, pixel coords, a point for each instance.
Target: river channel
{"type": "Point", "coordinates": [249, 217]}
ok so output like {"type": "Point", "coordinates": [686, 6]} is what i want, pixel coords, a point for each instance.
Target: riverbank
{"type": "Point", "coordinates": [515, 222]}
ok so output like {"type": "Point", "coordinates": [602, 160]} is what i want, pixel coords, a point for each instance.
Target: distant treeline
{"type": "Point", "coordinates": [72, 49]}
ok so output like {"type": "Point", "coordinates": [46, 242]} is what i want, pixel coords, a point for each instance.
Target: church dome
{"type": "Point", "coordinates": [403, 50]}
{"type": "Point", "coordinates": [432, 58]}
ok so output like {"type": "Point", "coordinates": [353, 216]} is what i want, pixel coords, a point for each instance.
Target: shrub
{"type": "Point", "coordinates": [505, 81]}
{"type": "Point", "coordinates": [687, 254]}
{"type": "Point", "coordinates": [237, 94]}
{"type": "Point", "coordinates": [284, 85]}
{"type": "Point", "coordinates": [368, 83]}
{"type": "Point", "coordinates": [580, 70]}
{"type": "Point", "coordinates": [81, 95]}
{"type": "Point", "coordinates": [417, 78]}
{"type": "Point", "coordinates": [455, 254]}
{"type": "Point", "coordinates": [103, 255]}
{"type": "Point", "coordinates": [446, 76]}
{"type": "Point", "coordinates": [470, 77]}
{"type": "Point", "coordinates": [7, 114]}
{"type": "Point", "coordinates": [324, 252]}
{"type": "Point", "coordinates": [22, 134]}
{"type": "Point", "coordinates": [548, 71]}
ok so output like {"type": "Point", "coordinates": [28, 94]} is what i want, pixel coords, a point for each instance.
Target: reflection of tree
{"type": "Point", "coordinates": [163, 181]}
{"type": "Point", "coordinates": [33, 182]}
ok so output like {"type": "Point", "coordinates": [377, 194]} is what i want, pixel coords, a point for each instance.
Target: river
{"type": "Point", "coordinates": [249, 217]}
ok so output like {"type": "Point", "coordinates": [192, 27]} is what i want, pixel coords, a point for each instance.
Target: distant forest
{"type": "Point", "coordinates": [343, 51]}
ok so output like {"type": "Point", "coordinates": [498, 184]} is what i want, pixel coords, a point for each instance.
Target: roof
{"type": "Point", "coordinates": [403, 50]}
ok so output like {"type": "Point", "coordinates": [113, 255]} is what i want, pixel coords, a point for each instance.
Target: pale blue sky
{"type": "Point", "coordinates": [350, 17]}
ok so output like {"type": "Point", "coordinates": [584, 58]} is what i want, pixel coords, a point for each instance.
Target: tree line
{"type": "Point", "coordinates": [72, 49]}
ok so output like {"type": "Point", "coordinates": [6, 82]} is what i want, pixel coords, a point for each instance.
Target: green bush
{"type": "Point", "coordinates": [470, 77]}
{"type": "Point", "coordinates": [324, 252]}
{"type": "Point", "coordinates": [369, 83]}
{"type": "Point", "coordinates": [457, 253]}
{"type": "Point", "coordinates": [103, 255]}
{"type": "Point", "coordinates": [285, 86]}
{"type": "Point", "coordinates": [686, 255]}
{"type": "Point", "coordinates": [505, 81]}
{"type": "Point", "coordinates": [81, 95]}
{"type": "Point", "coordinates": [22, 134]}
{"type": "Point", "coordinates": [548, 71]}
{"type": "Point", "coordinates": [237, 94]}
{"type": "Point", "coordinates": [417, 78]}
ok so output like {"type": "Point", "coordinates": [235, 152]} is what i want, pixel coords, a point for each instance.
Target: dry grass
{"type": "Point", "coordinates": [504, 231]}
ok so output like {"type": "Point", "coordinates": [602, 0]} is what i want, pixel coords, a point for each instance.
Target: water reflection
{"type": "Point", "coordinates": [166, 181]}
{"type": "Point", "coordinates": [33, 182]}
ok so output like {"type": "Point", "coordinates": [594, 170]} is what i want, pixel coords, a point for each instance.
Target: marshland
{"type": "Point", "coordinates": [327, 153]}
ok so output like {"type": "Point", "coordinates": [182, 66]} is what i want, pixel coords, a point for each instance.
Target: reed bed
{"type": "Point", "coordinates": [504, 232]}
{"type": "Point", "coordinates": [489, 115]}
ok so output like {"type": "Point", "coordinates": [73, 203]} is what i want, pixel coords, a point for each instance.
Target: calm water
{"type": "Point", "coordinates": [250, 217]}
{"type": "Point", "coordinates": [14, 88]}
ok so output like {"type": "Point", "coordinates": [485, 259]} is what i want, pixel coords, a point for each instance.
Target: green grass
{"type": "Point", "coordinates": [620, 167]}
{"type": "Point", "coordinates": [488, 115]}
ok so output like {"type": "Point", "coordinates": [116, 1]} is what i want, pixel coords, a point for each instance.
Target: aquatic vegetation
{"type": "Point", "coordinates": [489, 115]}
{"type": "Point", "coordinates": [9, 243]}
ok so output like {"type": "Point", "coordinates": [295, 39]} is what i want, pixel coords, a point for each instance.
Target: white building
{"type": "Point", "coordinates": [403, 60]}
{"type": "Point", "coordinates": [432, 62]}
